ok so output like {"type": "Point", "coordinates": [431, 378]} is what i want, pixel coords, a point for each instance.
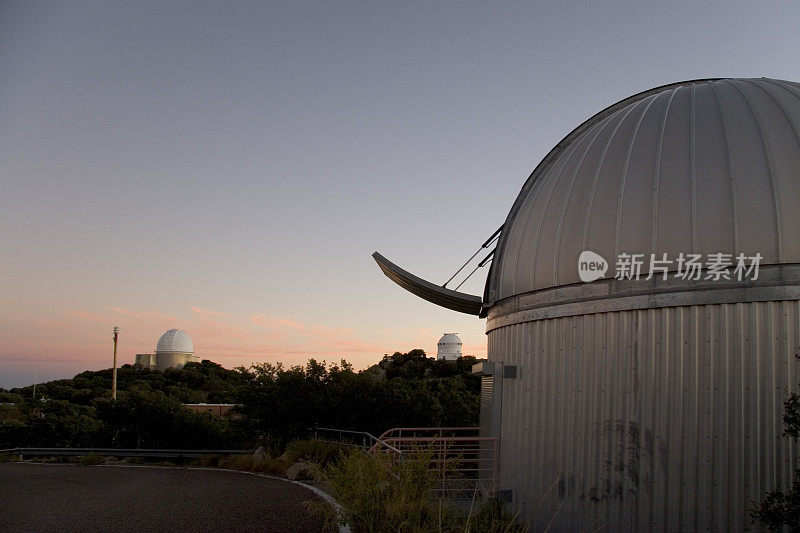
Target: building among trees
{"type": "Point", "coordinates": [174, 350]}
{"type": "Point", "coordinates": [448, 347]}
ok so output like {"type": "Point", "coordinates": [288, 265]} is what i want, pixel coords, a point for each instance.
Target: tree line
{"type": "Point", "coordinates": [275, 404]}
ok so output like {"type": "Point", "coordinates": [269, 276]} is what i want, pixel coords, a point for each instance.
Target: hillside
{"type": "Point", "coordinates": [278, 404]}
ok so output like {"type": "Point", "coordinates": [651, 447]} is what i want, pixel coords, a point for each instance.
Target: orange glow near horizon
{"type": "Point", "coordinates": [43, 347]}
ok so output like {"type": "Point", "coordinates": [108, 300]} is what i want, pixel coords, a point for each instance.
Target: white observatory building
{"type": "Point", "coordinates": [644, 396]}
{"type": "Point", "coordinates": [448, 347]}
{"type": "Point", "coordinates": [174, 350]}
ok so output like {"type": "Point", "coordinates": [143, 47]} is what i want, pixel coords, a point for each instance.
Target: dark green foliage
{"type": "Point", "coordinates": [415, 391]}
{"type": "Point", "coordinates": [311, 451]}
{"type": "Point", "coordinates": [148, 412]}
{"type": "Point", "coordinates": [92, 459]}
{"type": "Point", "coordinates": [203, 382]}
{"type": "Point", "coordinates": [278, 404]}
{"type": "Point", "coordinates": [791, 416]}
{"type": "Point", "coordinates": [152, 419]}
{"type": "Point", "coordinates": [53, 423]}
{"type": "Point", "coordinates": [779, 509]}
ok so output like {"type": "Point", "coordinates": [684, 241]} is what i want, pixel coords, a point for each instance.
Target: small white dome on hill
{"type": "Point", "coordinates": [449, 347]}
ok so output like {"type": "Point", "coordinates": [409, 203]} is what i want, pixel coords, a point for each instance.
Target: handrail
{"type": "Point", "coordinates": [466, 462]}
{"type": "Point", "coordinates": [120, 452]}
{"type": "Point", "coordinates": [374, 440]}
{"type": "Point", "coordinates": [386, 434]}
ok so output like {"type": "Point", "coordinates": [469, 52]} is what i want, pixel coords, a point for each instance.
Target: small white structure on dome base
{"type": "Point", "coordinates": [449, 347]}
{"type": "Point", "coordinates": [174, 350]}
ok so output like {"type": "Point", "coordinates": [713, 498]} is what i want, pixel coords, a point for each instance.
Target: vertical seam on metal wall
{"type": "Point", "coordinates": [728, 321]}
{"type": "Point", "coordinates": [668, 385]}
{"type": "Point", "coordinates": [777, 348]}
{"type": "Point", "coordinates": [653, 319]}
{"type": "Point", "coordinates": [744, 467]}
{"type": "Point", "coordinates": [712, 335]}
{"type": "Point", "coordinates": [697, 349]}
{"type": "Point", "coordinates": [759, 376]}
{"type": "Point", "coordinates": [692, 158]}
{"type": "Point", "coordinates": [682, 358]}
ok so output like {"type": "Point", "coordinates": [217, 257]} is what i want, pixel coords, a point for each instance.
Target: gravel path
{"type": "Point", "coordinates": [47, 497]}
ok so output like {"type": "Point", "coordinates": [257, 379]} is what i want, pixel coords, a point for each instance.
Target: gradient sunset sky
{"type": "Point", "coordinates": [228, 168]}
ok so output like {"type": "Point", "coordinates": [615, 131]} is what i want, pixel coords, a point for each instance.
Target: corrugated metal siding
{"type": "Point", "coordinates": [487, 404]}
{"type": "Point", "coordinates": [656, 419]}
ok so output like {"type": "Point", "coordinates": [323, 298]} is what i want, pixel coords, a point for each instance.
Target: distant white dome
{"type": "Point", "coordinates": [449, 347]}
{"type": "Point", "coordinates": [175, 341]}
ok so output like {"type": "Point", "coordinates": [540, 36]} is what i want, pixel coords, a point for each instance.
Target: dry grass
{"type": "Point", "coordinates": [378, 494]}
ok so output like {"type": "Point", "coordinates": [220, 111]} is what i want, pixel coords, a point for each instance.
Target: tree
{"type": "Point", "coordinates": [779, 508]}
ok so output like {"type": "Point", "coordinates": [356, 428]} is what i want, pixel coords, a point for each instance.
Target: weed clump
{"type": "Point", "coordinates": [92, 459]}
{"type": "Point", "coordinates": [376, 492]}
{"type": "Point", "coordinates": [249, 463]}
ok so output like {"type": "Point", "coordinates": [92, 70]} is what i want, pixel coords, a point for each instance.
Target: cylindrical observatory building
{"type": "Point", "coordinates": [643, 311]}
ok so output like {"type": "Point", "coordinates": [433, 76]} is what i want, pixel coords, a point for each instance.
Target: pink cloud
{"type": "Point", "coordinates": [143, 315]}
{"type": "Point", "coordinates": [92, 317]}
{"type": "Point", "coordinates": [207, 312]}
{"type": "Point", "coordinates": [82, 338]}
{"type": "Point", "coordinates": [316, 339]}
{"type": "Point", "coordinates": [275, 323]}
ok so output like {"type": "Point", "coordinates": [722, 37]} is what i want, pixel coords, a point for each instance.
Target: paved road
{"type": "Point", "coordinates": [47, 497]}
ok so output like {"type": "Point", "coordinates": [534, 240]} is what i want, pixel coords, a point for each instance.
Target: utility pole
{"type": "Point", "coordinates": [114, 375]}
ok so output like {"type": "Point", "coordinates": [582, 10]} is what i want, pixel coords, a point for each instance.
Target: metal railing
{"type": "Point", "coordinates": [118, 452]}
{"type": "Point", "coordinates": [346, 437]}
{"type": "Point", "coordinates": [464, 462]}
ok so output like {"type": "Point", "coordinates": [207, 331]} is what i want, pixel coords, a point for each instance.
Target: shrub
{"type": "Point", "coordinates": [266, 465]}
{"type": "Point", "coordinates": [779, 509]}
{"type": "Point", "coordinates": [92, 459]}
{"type": "Point", "coordinates": [377, 493]}
{"type": "Point", "coordinates": [314, 451]}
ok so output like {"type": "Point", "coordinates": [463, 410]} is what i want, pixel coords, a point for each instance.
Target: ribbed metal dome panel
{"type": "Point", "coordinates": [175, 340]}
{"type": "Point", "coordinates": [699, 167]}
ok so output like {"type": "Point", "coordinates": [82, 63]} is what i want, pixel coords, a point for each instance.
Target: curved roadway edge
{"type": "Point", "coordinates": [316, 490]}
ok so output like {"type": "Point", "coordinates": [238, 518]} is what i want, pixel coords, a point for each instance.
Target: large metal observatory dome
{"type": "Point", "coordinates": [647, 402]}
{"type": "Point", "coordinates": [175, 341]}
{"type": "Point", "coordinates": [697, 167]}
{"type": "Point", "coordinates": [174, 350]}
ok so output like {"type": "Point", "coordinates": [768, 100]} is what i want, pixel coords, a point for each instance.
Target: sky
{"type": "Point", "coordinates": [228, 168]}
